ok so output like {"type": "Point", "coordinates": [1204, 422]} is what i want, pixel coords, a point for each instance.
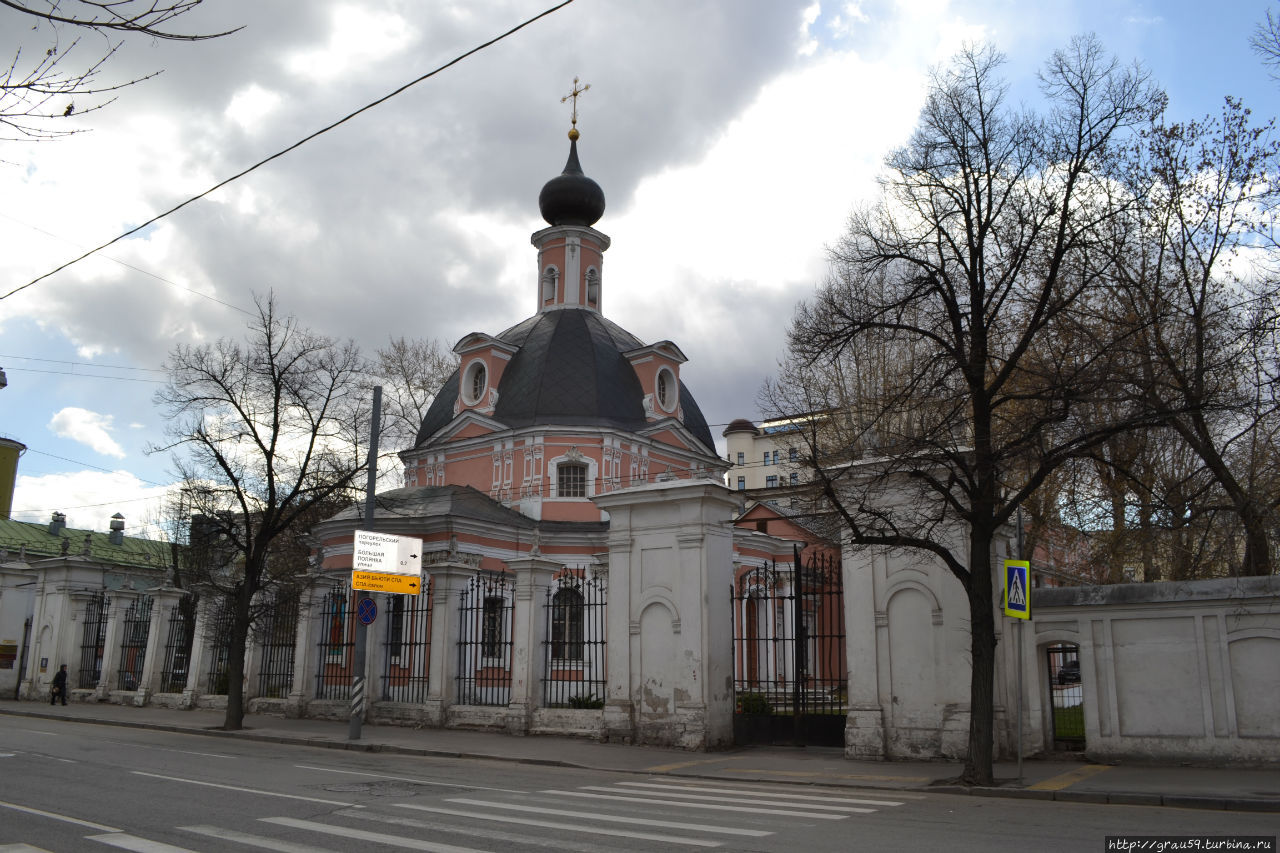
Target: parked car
{"type": "Point", "coordinates": [1069, 673]}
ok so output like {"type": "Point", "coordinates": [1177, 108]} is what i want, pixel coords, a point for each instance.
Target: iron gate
{"type": "Point", "coordinates": [336, 646]}
{"type": "Point", "coordinates": [790, 672]}
{"type": "Point", "coordinates": [575, 653]}
{"type": "Point", "coordinates": [133, 644]}
{"type": "Point", "coordinates": [484, 641]}
{"type": "Point", "coordinates": [219, 633]}
{"type": "Point", "coordinates": [93, 639]}
{"type": "Point", "coordinates": [177, 647]}
{"type": "Point", "coordinates": [406, 648]}
{"type": "Point", "coordinates": [1067, 696]}
{"type": "Point", "coordinates": [277, 637]}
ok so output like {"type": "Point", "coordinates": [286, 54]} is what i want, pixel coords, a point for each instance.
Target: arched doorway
{"type": "Point", "coordinates": [1066, 697]}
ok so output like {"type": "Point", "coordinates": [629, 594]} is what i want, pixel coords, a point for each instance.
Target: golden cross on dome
{"type": "Point", "coordinates": [573, 130]}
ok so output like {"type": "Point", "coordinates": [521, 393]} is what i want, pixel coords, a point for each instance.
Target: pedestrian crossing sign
{"type": "Point", "coordinates": [1017, 603]}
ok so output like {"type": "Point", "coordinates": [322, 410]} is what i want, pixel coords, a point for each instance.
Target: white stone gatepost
{"type": "Point", "coordinates": [669, 614]}
{"type": "Point", "coordinates": [163, 600]}
{"type": "Point", "coordinates": [198, 662]}
{"type": "Point", "coordinates": [864, 732]}
{"type": "Point", "coordinates": [448, 579]}
{"type": "Point", "coordinates": [534, 575]}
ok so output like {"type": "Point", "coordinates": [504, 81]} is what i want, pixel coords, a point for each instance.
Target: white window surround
{"type": "Point", "coordinates": [666, 391]}
{"type": "Point", "coordinates": [553, 474]}
{"type": "Point", "coordinates": [469, 381]}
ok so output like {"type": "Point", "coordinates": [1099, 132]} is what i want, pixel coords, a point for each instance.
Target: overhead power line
{"type": "Point", "coordinates": [292, 147]}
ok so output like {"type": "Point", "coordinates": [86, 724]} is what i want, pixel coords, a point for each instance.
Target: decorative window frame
{"type": "Point", "coordinates": [574, 457]}
{"type": "Point", "coordinates": [548, 283]}
{"type": "Point", "coordinates": [670, 401]}
{"type": "Point", "coordinates": [468, 380]}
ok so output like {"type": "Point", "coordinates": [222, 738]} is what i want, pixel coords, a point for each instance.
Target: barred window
{"type": "Point", "coordinates": [566, 625]}
{"type": "Point", "coordinates": [571, 480]}
{"type": "Point", "coordinates": [492, 633]}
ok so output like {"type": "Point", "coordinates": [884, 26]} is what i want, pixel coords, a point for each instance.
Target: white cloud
{"type": "Point", "coordinates": [89, 499]}
{"type": "Point", "coordinates": [88, 428]}
{"type": "Point", "coordinates": [251, 105]}
{"type": "Point", "coordinates": [358, 37]}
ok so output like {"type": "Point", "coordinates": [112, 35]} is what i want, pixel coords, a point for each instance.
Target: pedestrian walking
{"type": "Point", "coordinates": [59, 687]}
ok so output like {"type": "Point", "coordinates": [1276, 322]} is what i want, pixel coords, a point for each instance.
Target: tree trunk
{"type": "Point", "coordinates": [979, 765]}
{"type": "Point", "coordinates": [234, 719]}
{"type": "Point", "coordinates": [1257, 546]}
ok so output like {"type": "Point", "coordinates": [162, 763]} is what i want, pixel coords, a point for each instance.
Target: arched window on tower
{"type": "Point", "coordinates": [567, 625]}
{"type": "Point", "coordinates": [571, 480]}
{"type": "Point", "coordinates": [549, 277]}
{"type": "Point", "coordinates": [593, 287]}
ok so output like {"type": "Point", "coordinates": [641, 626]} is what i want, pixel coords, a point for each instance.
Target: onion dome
{"type": "Point", "coordinates": [571, 198]}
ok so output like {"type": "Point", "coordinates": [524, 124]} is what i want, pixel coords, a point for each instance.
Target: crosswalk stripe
{"type": "Point", "coordinates": [244, 790]}
{"type": "Point", "coordinates": [665, 824]}
{"type": "Point", "coordinates": [21, 848]}
{"type": "Point", "coordinates": [836, 798]}
{"type": "Point", "coordinates": [375, 837]}
{"type": "Point", "coordinates": [741, 800]}
{"type": "Point", "coordinates": [572, 827]}
{"type": "Point", "coordinates": [474, 833]}
{"type": "Point", "coordinates": [55, 816]}
{"type": "Point", "coordinates": [125, 841]}
{"type": "Point", "coordinates": [279, 845]}
{"type": "Point", "coordinates": [714, 806]}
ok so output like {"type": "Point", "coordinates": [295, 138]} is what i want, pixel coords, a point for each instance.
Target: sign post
{"type": "Point", "coordinates": [358, 663]}
{"type": "Point", "coordinates": [1017, 603]}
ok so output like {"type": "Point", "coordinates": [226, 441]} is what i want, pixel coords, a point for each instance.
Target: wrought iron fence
{"type": "Point", "coordinates": [484, 641]}
{"type": "Point", "coordinates": [276, 637]}
{"type": "Point", "coordinates": [219, 634]}
{"type": "Point", "coordinates": [133, 643]}
{"type": "Point", "coordinates": [790, 673]}
{"type": "Point", "coordinates": [336, 646]}
{"type": "Point", "coordinates": [93, 639]}
{"type": "Point", "coordinates": [575, 644]}
{"type": "Point", "coordinates": [177, 646]}
{"type": "Point", "coordinates": [406, 647]}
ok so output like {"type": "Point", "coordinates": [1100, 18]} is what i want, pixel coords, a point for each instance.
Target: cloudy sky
{"type": "Point", "coordinates": [731, 137]}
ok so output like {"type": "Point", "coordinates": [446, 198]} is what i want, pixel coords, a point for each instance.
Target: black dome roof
{"type": "Point", "coordinates": [569, 370]}
{"type": "Point", "coordinates": [571, 198]}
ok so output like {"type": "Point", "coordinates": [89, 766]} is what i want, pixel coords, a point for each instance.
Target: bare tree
{"type": "Point", "coordinates": [1195, 262]}
{"type": "Point", "coordinates": [264, 436]}
{"type": "Point", "coordinates": [42, 88]}
{"type": "Point", "coordinates": [973, 276]}
{"type": "Point", "coordinates": [411, 373]}
{"type": "Point", "coordinates": [1266, 43]}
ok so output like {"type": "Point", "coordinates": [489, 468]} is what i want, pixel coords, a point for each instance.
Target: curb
{"type": "Point", "coordinates": [1115, 798]}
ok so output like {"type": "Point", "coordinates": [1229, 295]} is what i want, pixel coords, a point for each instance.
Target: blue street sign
{"type": "Point", "coordinates": [366, 611]}
{"type": "Point", "coordinates": [1017, 599]}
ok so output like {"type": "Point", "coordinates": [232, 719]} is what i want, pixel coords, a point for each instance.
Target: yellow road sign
{"type": "Point", "coordinates": [382, 582]}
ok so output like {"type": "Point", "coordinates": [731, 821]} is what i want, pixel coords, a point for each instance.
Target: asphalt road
{"type": "Point", "coordinates": [68, 786]}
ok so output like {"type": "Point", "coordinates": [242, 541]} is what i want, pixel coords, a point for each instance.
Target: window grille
{"type": "Point", "coordinates": [484, 641]}
{"type": "Point", "coordinates": [575, 659]}
{"type": "Point", "coordinates": [571, 480]}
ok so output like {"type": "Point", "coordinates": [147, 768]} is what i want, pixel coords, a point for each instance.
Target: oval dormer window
{"type": "Point", "coordinates": [666, 390]}
{"type": "Point", "coordinates": [474, 382]}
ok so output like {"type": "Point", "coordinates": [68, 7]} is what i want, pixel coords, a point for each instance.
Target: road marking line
{"type": "Point", "coordinates": [133, 745]}
{"type": "Point", "coordinates": [666, 768]}
{"type": "Point", "coordinates": [86, 823]}
{"type": "Point", "coordinates": [711, 806]}
{"type": "Point", "coordinates": [665, 824]}
{"type": "Point", "coordinates": [666, 786]}
{"type": "Point", "coordinates": [407, 779]}
{"type": "Point", "coordinates": [361, 835]}
{"type": "Point", "coordinates": [139, 845]}
{"type": "Point", "coordinates": [809, 774]}
{"type": "Point", "coordinates": [265, 843]}
{"type": "Point", "coordinates": [1066, 780]}
{"type": "Point", "coordinates": [248, 790]}
{"type": "Point", "coordinates": [758, 800]}
{"type": "Point", "coordinates": [572, 827]}
{"type": "Point", "coordinates": [445, 826]}
{"type": "Point", "coordinates": [21, 848]}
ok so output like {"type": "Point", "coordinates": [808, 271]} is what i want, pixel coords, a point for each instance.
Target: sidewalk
{"type": "Point", "coordinates": [1067, 781]}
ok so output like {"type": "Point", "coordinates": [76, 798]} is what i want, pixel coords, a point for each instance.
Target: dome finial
{"type": "Point", "coordinates": [573, 119]}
